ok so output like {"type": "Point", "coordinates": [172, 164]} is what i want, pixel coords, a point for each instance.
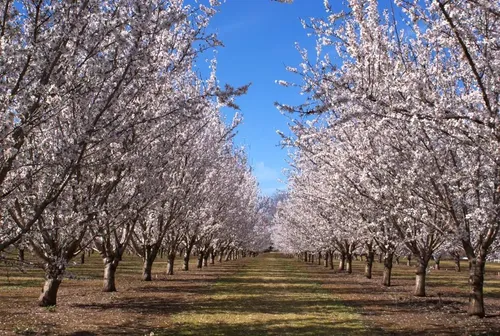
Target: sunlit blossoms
{"type": "Point", "coordinates": [399, 144]}
{"type": "Point", "coordinates": [111, 141]}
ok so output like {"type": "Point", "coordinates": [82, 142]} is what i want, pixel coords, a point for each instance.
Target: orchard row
{"type": "Point", "coordinates": [111, 139]}
{"type": "Point", "coordinates": [397, 148]}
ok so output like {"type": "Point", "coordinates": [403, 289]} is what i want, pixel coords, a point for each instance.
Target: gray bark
{"type": "Point", "coordinates": [342, 262]}
{"type": "Point", "coordinates": [146, 270]}
{"type": "Point", "coordinates": [420, 278]}
{"type": "Point", "coordinates": [110, 266]}
{"type": "Point", "coordinates": [170, 264]}
{"type": "Point", "coordinates": [370, 256]}
{"type": "Point", "coordinates": [386, 278]}
{"type": "Point", "coordinates": [348, 262]}
{"type": "Point", "coordinates": [200, 260]}
{"type": "Point", "coordinates": [476, 282]}
{"type": "Point", "coordinates": [49, 293]}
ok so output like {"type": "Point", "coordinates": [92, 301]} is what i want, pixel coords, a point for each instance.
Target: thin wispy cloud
{"type": "Point", "coordinates": [264, 173]}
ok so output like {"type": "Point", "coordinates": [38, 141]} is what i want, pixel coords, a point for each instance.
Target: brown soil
{"type": "Point", "coordinates": [142, 308]}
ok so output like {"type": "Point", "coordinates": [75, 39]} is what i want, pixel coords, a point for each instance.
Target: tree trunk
{"type": "Point", "coordinates": [20, 255]}
{"type": "Point", "coordinates": [348, 263]}
{"type": "Point", "coordinates": [212, 257]}
{"type": "Point", "coordinates": [476, 282]}
{"type": "Point", "coordinates": [331, 260]}
{"type": "Point", "coordinates": [53, 278]}
{"type": "Point", "coordinates": [110, 266]}
{"type": "Point", "coordinates": [221, 255]}
{"type": "Point", "coordinates": [82, 257]}
{"type": "Point", "coordinates": [458, 268]}
{"type": "Point", "coordinates": [397, 260]}
{"type": "Point", "coordinates": [420, 277]}
{"type": "Point", "coordinates": [437, 266]}
{"type": "Point", "coordinates": [380, 258]}
{"type": "Point", "coordinates": [146, 270]}
{"type": "Point", "coordinates": [386, 278]}
{"type": "Point", "coordinates": [228, 256]}
{"type": "Point", "coordinates": [408, 260]}
{"type": "Point", "coordinates": [369, 264]}
{"type": "Point", "coordinates": [187, 256]}
{"type": "Point", "coordinates": [327, 258]}
{"type": "Point", "coordinates": [342, 262]}
{"type": "Point", "coordinates": [319, 258]}
{"type": "Point", "coordinates": [305, 256]}
{"type": "Point", "coordinates": [205, 259]}
{"type": "Point", "coordinates": [170, 264]}
{"type": "Point", "coordinates": [49, 293]}
{"type": "Point", "coordinates": [200, 261]}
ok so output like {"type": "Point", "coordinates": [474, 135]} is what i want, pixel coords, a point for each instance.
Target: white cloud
{"type": "Point", "coordinates": [264, 173]}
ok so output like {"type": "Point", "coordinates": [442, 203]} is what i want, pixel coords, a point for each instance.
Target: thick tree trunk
{"type": "Point", "coordinates": [319, 258]}
{"type": "Point", "coordinates": [305, 256]}
{"type": "Point", "coordinates": [20, 255]}
{"type": "Point", "coordinates": [82, 257]}
{"type": "Point", "coordinates": [386, 278]}
{"type": "Point", "coordinates": [205, 259]}
{"type": "Point", "coordinates": [170, 264]}
{"type": "Point", "coordinates": [221, 255]}
{"type": "Point", "coordinates": [110, 267]}
{"type": "Point", "coordinates": [342, 262]}
{"type": "Point", "coordinates": [369, 264]}
{"type": "Point", "coordinates": [420, 274]}
{"type": "Point", "coordinates": [331, 261]}
{"type": "Point", "coordinates": [476, 282]}
{"type": "Point", "coordinates": [437, 266]}
{"type": "Point", "coordinates": [212, 257]}
{"type": "Point", "coordinates": [327, 258]}
{"type": "Point", "coordinates": [397, 260]}
{"type": "Point", "coordinates": [348, 259]}
{"type": "Point", "coordinates": [146, 269]}
{"type": "Point", "coordinates": [408, 260]}
{"type": "Point", "coordinates": [49, 293]}
{"type": "Point", "coordinates": [53, 278]}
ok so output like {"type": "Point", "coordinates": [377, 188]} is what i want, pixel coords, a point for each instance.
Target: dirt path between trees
{"type": "Point", "coordinates": [270, 295]}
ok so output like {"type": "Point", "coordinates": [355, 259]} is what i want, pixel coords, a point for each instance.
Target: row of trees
{"type": "Point", "coordinates": [398, 146]}
{"type": "Point", "coordinates": [110, 139]}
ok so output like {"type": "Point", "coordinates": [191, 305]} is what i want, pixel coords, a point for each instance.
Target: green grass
{"type": "Point", "coordinates": [270, 295]}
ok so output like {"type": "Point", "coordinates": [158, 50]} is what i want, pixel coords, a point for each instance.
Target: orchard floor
{"type": "Point", "coordinates": [268, 295]}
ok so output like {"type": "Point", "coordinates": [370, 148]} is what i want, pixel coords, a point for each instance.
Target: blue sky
{"type": "Point", "coordinates": [259, 38]}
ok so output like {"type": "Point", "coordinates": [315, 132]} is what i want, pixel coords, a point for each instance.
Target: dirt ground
{"type": "Point", "coordinates": [239, 298]}
{"type": "Point", "coordinates": [395, 311]}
